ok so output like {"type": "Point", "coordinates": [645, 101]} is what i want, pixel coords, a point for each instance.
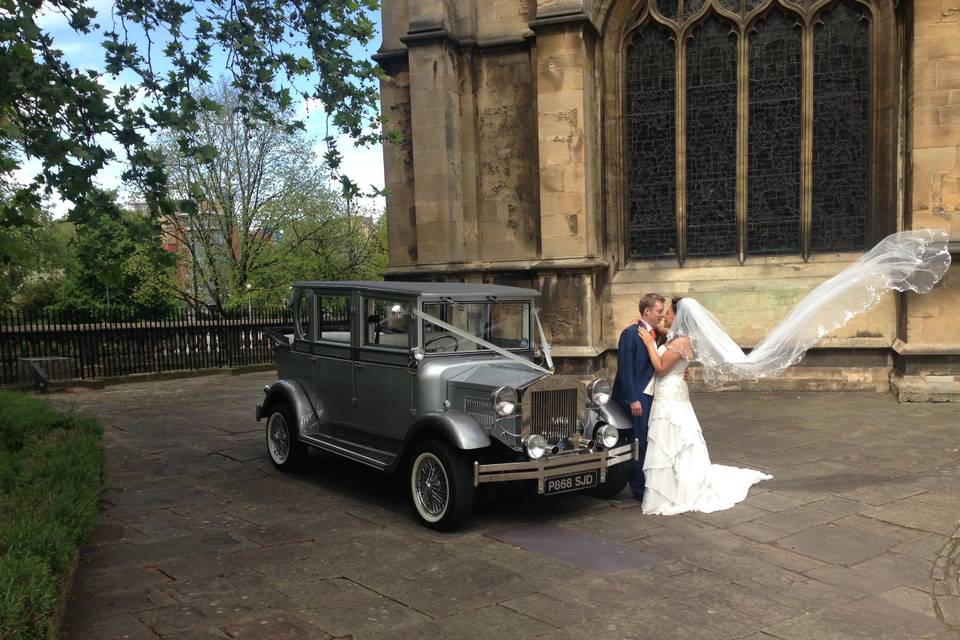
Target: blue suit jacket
{"type": "Point", "coordinates": [634, 368]}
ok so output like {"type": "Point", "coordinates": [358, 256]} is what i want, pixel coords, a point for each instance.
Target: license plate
{"type": "Point", "coordinates": [573, 482]}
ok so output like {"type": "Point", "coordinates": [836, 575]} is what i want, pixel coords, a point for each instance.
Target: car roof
{"type": "Point", "coordinates": [424, 289]}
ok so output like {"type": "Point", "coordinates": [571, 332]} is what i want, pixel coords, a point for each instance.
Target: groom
{"type": "Point", "coordinates": [634, 373]}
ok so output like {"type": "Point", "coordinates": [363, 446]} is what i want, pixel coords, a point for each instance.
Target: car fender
{"type": "Point", "coordinates": [611, 413]}
{"type": "Point", "coordinates": [293, 395]}
{"type": "Point", "coordinates": [461, 430]}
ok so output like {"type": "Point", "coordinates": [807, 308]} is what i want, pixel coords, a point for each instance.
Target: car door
{"type": "Point", "coordinates": [383, 382]}
{"type": "Point", "coordinates": [332, 363]}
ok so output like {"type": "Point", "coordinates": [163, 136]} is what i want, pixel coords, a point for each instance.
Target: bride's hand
{"type": "Point", "coordinates": [645, 335]}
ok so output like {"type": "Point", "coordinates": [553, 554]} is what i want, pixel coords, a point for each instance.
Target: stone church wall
{"type": "Point", "coordinates": [511, 171]}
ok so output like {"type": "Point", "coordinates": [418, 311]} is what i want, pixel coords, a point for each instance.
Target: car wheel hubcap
{"type": "Point", "coordinates": [278, 438]}
{"type": "Point", "coordinates": [430, 487]}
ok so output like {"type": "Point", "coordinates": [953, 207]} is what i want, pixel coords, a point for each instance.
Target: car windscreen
{"type": "Point", "coordinates": [505, 324]}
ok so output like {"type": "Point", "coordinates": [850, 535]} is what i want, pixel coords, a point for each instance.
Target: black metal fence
{"type": "Point", "coordinates": [61, 346]}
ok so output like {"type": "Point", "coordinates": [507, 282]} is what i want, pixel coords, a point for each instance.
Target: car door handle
{"type": "Point", "coordinates": [358, 365]}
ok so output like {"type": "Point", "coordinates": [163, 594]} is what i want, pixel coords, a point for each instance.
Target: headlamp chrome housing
{"type": "Point", "coordinates": [599, 392]}
{"type": "Point", "coordinates": [536, 446]}
{"type": "Point", "coordinates": [607, 435]}
{"type": "Point", "coordinates": [504, 401]}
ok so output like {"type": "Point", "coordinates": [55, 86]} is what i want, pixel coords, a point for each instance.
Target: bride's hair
{"type": "Point", "coordinates": [674, 302]}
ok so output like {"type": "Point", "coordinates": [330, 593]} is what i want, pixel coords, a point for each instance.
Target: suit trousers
{"type": "Point", "coordinates": [637, 480]}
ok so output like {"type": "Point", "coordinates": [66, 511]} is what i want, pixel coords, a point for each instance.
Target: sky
{"type": "Point", "coordinates": [362, 165]}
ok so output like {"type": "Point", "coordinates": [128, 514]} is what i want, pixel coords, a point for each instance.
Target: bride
{"type": "Point", "coordinates": [679, 474]}
{"type": "Point", "coordinates": [677, 466]}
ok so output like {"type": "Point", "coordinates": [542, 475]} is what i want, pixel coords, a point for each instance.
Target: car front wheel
{"type": "Point", "coordinates": [440, 486]}
{"type": "Point", "coordinates": [286, 451]}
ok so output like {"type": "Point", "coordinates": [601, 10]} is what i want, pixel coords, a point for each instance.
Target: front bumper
{"type": "Point", "coordinates": [561, 465]}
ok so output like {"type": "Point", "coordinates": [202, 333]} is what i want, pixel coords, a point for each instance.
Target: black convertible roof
{"type": "Point", "coordinates": [425, 289]}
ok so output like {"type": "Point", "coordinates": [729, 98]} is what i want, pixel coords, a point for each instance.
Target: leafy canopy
{"type": "Point", "coordinates": [263, 215]}
{"type": "Point", "coordinates": [272, 51]}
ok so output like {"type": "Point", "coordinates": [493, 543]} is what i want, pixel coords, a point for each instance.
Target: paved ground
{"type": "Point", "coordinates": [199, 537]}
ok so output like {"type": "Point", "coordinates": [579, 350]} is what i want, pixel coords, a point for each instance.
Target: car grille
{"type": "Point", "coordinates": [479, 410]}
{"type": "Point", "coordinates": [553, 410]}
{"type": "Point", "coordinates": [504, 429]}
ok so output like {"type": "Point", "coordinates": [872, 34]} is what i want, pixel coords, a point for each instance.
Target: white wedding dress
{"type": "Point", "coordinates": [679, 475]}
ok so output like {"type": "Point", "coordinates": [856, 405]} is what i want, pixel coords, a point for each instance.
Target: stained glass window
{"type": "Point", "coordinates": [773, 185]}
{"type": "Point", "coordinates": [840, 129]}
{"type": "Point", "coordinates": [774, 194]}
{"type": "Point", "coordinates": [668, 8]}
{"type": "Point", "coordinates": [651, 153]}
{"type": "Point", "coordinates": [742, 7]}
{"type": "Point", "coordinates": [712, 140]}
{"type": "Point", "coordinates": [731, 5]}
{"type": "Point", "coordinates": [690, 7]}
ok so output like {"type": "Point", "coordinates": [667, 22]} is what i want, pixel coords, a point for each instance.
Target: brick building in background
{"type": "Point", "coordinates": [737, 151]}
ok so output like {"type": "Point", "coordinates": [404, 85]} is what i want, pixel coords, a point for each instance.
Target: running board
{"type": "Point", "coordinates": [349, 450]}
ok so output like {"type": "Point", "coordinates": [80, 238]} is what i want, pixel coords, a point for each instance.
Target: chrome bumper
{"type": "Point", "coordinates": [561, 465]}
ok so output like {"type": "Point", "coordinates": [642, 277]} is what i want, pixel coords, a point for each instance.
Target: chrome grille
{"type": "Point", "coordinates": [553, 413]}
{"type": "Point", "coordinates": [504, 429]}
{"type": "Point", "coordinates": [479, 410]}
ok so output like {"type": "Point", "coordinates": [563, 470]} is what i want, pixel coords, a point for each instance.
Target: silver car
{"type": "Point", "coordinates": [451, 384]}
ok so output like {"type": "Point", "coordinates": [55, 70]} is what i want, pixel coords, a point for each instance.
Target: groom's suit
{"type": "Point", "coordinates": [634, 372]}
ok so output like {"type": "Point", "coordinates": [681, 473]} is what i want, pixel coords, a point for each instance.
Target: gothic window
{"type": "Point", "coordinates": [712, 140]}
{"type": "Point", "coordinates": [773, 154]}
{"type": "Point", "coordinates": [840, 140]}
{"type": "Point", "coordinates": [651, 113]}
{"type": "Point", "coordinates": [770, 105]}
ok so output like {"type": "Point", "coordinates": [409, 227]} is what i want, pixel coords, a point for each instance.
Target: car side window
{"type": "Point", "coordinates": [387, 322]}
{"type": "Point", "coordinates": [303, 314]}
{"type": "Point", "coordinates": [334, 323]}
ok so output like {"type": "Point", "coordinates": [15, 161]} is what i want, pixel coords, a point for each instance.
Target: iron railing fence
{"type": "Point", "coordinates": [79, 346]}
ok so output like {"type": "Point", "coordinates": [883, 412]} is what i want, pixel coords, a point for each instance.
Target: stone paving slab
{"type": "Point", "coordinates": [201, 538]}
{"type": "Point", "coordinates": [574, 548]}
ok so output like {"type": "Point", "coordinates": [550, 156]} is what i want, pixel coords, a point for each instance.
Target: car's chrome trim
{"type": "Point", "coordinates": [553, 466]}
{"type": "Point", "coordinates": [322, 443]}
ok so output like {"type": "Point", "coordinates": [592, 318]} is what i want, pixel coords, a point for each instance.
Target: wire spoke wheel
{"type": "Point", "coordinates": [431, 487]}
{"type": "Point", "coordinates": [441, 487]}
{"type": "Point", "coordinates": [278, 438]}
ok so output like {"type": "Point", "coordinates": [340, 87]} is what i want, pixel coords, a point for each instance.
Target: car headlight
{"type": "Point", "coordinates": [599, 392]}
{"type": "Point", "coordinates": [504, 401]}
{"type": "Point", "coordinates": [608, 435]}
{"type": "Point", "coordinates": [536, 446]}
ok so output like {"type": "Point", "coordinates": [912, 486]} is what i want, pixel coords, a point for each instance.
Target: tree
{"type": "Point", "coordinates": [33, 260]}
{"type": "Point", "coordinates": [120, 265]}
{"type": "Point", "coordinates": [257, 207]}
{"type": "Point", "coordinates": [67, 119]}
{"type": "Point", "coordinates": [352, 245]}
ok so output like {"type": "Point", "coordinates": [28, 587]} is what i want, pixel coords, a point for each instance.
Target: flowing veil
{"type": "Point", "coordinates": [905, 261]}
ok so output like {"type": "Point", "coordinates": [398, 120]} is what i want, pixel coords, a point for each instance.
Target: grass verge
{"type": "Point", "coordinates": [50, 473]}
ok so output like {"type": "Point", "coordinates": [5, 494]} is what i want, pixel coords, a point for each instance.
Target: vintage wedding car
{"type": "Point", "coordinates": [442, 382]}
